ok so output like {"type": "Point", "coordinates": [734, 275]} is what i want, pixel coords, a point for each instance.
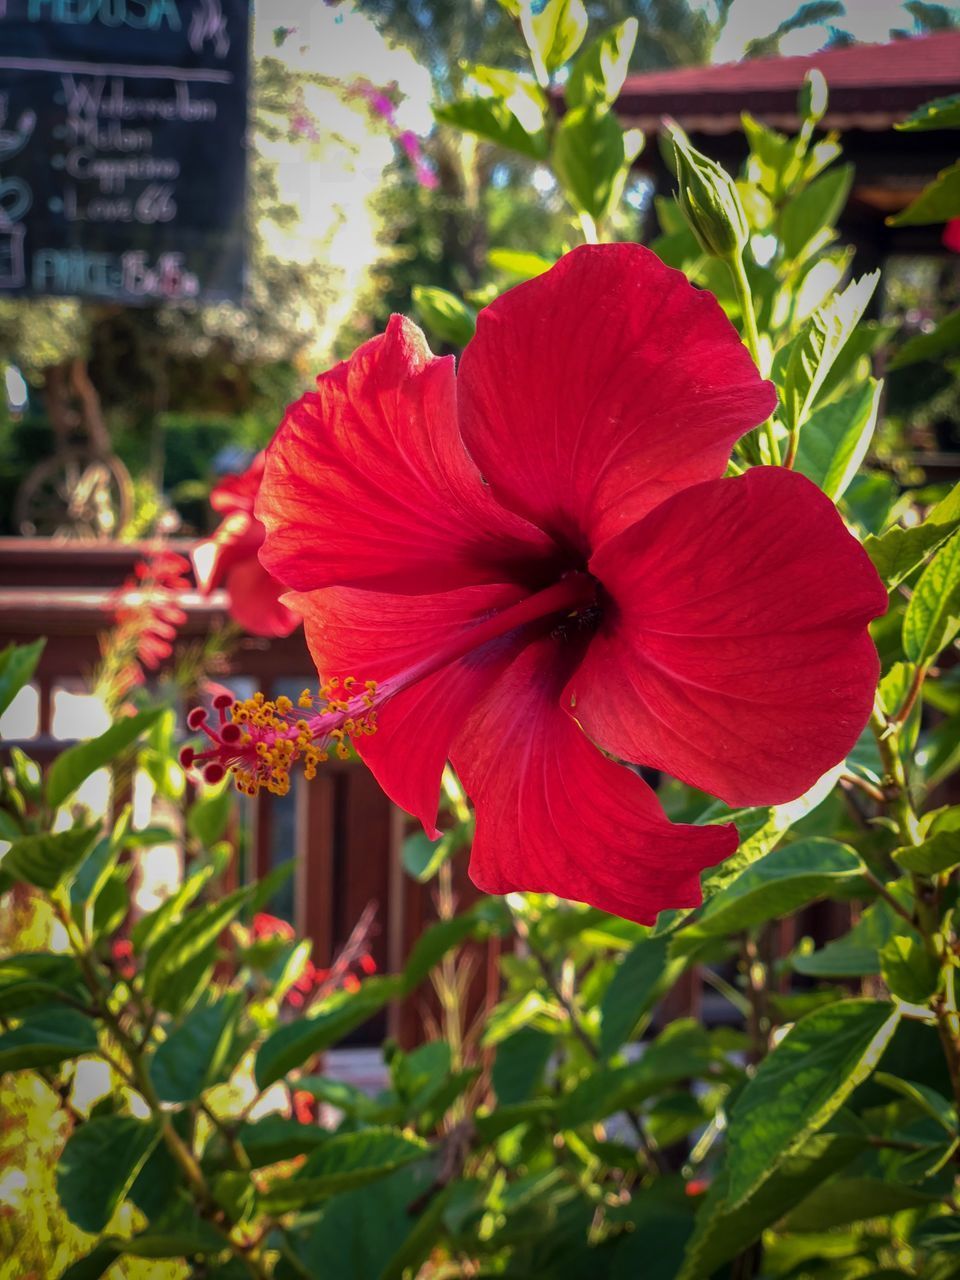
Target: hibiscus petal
{"type": "Point", "coordinates": [554, 815]}
{"type": "Point", "coordinates": [255, 600]}
{"type": "Point", "coordinates": [734, 653]}
{"type": "Point", "coordinates": [367, 481]}
{"type": "Point", "coordinates": [378, 636]}
{"type": "Point", "coordinates": [598, 389]}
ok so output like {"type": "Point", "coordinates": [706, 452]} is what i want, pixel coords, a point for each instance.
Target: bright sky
{"type": "Point", "coordinates": [865, 19]}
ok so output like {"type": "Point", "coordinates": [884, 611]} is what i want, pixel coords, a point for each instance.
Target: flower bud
{"type": "Point", "coordinates": [812, 98]}
{"type": "Point", "coordinates": [709, 199]}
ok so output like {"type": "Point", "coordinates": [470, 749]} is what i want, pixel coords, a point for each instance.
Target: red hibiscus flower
{"type": "Point", "coordinates": [229, 559]}
{"type": "Point", "coordinates": [536, 564]}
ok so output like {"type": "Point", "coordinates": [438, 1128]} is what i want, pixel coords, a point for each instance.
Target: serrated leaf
{"type": "Point", "coordinates": [187, 940]}
{"type": "Point", "coordinates": [935, 855]}
{"type": "Point", "coordinates": [598, 74]}
{"type": "Point", "coordinates": [48, 862]}
{"type": "Point", "coordinates": [818, 345]}
{"type": "Point", "coordinates": [934, 1104]}
{"type": "Point", "coordinates": [835, 438]}
{"type": "Point", "coordinates": [639, 981]}
{"type": "Point", "coordinates": [493, 120]}
{"type": "Point", "coordinates": [444, 314]}
{"type": "Point", "coordinates": [194, 1054]}
{"type": "Point", "coordinates": [940, 113]}
{"type": "Point", "coordinates": [801, 1085]}
{"type": "Point", "coordinates": [844, 1200]}
{"type": "Point", "coordinates": [933, 614]}
{"type": "Point", "coordinates": [150, 927]}
{"type": "Point", "coordinates": [98, 1167]}
{"type": "Point", "coordinates": [342, 1163]}
{"type": "Point", "coordinates": [909, 971]}
{"type": "Point", "coordinates": [276, 1138]}
{"type": "Point", "coordinates": [554, 32]}
{"type": "Point", "coordinates": [898, 552]}
{"type": "Point", "coordinates": [77, 763]}
{"type": "Point", "coordinates": [722, 1232]}
{"type": "Point", "coordinates": [856, 954]}
{"type": "Point", "coordinates": [47, 1038]}
{"type": "Point", "coordinates": [938, 202]}
{"type": "Point", "coordinates": [207, 817]}
{"type": "Point", "coordinates": [32, 979]}
{"type": "Point", "coordinates": [519, 1064]}
{"type": "Point", "coordinates": [773, 887]}
{"type": "Point", "coordinates": [590, 159]}
{"type": "Point", "coordinates": [294, 1044]}
{"type": "Point", "coordinates": [17, 665]}
{"type": "Point", "coordinates": [816, 207]}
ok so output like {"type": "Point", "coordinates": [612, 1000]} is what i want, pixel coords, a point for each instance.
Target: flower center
{"type": "Point", "coordinates": [259, 739]}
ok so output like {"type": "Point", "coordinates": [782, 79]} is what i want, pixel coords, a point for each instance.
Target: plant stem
{"type": "Point", "coordinates": [751, 336]}
{"type": "Point", "coordinates": [896, 791]}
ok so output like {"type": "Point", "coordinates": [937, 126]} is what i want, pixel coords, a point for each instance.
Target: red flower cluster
{"type": "Point", "coordinates": [229, 559]}
{"type": "Point", "coordinates": [315, 982]}
{"type": "Point", "coordinates": [147, 615]}
{"type": "Point", "coordinates": [536, 563]}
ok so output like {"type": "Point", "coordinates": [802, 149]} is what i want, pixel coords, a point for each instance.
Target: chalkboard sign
{"type": "Point", "coordinates": [122, 148]}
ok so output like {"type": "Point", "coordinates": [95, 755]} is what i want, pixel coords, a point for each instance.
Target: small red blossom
{"type": "Point", "coordinates": [229, 559]}
{"type": "Point", "coordinates": [147, 616]}
{"type": "Point", "coordinates": [304, 1106]}
{"type": "Point", "coordinates": [697, 1187]}
{"type": "Point", "coordinates": [267, 926]}
{"type": "Point", "coordinates": [951, 235]}
{"type": "Point", "coordinates": [539, 555]}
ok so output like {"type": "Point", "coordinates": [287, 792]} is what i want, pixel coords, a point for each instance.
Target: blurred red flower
{"type": "Point", "coordinates": [229, 559]}
{"type": "Point", "coordinates": [540, 556]}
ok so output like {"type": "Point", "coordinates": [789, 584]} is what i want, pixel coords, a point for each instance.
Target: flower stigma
{"type": "Point", "coordinates": [260, 739]}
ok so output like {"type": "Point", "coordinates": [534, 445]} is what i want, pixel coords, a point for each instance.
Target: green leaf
{"type": "Point", "coordinates": [553, 32]}
{"type": "Point", "coordinates": [941, 113]}
{"type": "Point", "coordinates": [207, 818]}
{"type": "Point", "coordinates": [937, 854]}
{"type": "Point", "coordinates": [96, 869]}
{"type": "Point", "coordinates": [98, 1167]}
{"type": "Point", "coordinates": [934, 1104]}
{"type": "Point", "coordinates": [93, 1265]}
{"type": "Point", "coordinates": [722, 1231]}
{"type": "Point", "coordinates": [48, 862]}
{"type": "Point", "coordinates": [343, 1162]}
{"type": "Point", "coordinates": [801, 1084]}
{"type": "Point", "coordinates": [188, 939]}
{"type": "Point", "coordinates": [909, 971]}
{"type": "Point", "coordinates": [836, 437]}
{"type": "Point", "coordinates": [597, 76]}
{"type": "Point", "coordinates": [359, 1234]}
{"type": "Point", "coordinates": [518, 263]}
{"type": "Point", "coordinates": [942, 341]}
{"type": "Point", "coordinates": [194, 1054]}
{"type": "Point", "coordinates": [638, 982]}
{"type": "Point", "coordinates": [445, 315]}
{"type": "Point", "coordinates": [77, 763]}
{"type": "Point", "coordinates": [520, 1063]}
{"type": "Point", "coordinates": [47, 1038]}
{"type": "Point", "coordinates": [815, 208]}
{"type": "Point", "coordinates": [937, 202]}
{"type": "Point", "coordinates": [29, 979]}
{"type": "Point", "coordinates": [493, 120]}
{"type": "Point", "coordinates": [843, 1200]}
{"type": "Point", "coordinates": [857, 953]}
{"type": "Point", "coordinates": [938, 1235]}
{"type": "Point", "coordinates": [933, 614]}
{"type": "Point", "coordinates": [591, 159]}
{"type": "Point", "coordinates": [817, 346]}
{"type": "Point", "coordinates": [276, 1138]}
{"type": "Point", "coordinates": [772, 888]}
{"type": "Point", "coordinates": [422, 857]}
{"type": "Point", "coordinates": [17, 665]}
{"type": "Point", "coordinates": [435, 942]}
{"type": "Point", "coordinates": [294, 1044]}
{"type": "Point", "coordinates": [899, 551]}
{"type": "Point", "coordinates": [157, 922]}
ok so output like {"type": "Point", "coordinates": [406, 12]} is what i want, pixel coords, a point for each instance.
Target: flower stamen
{"type": "Point", "coordinates": [259, 739]}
